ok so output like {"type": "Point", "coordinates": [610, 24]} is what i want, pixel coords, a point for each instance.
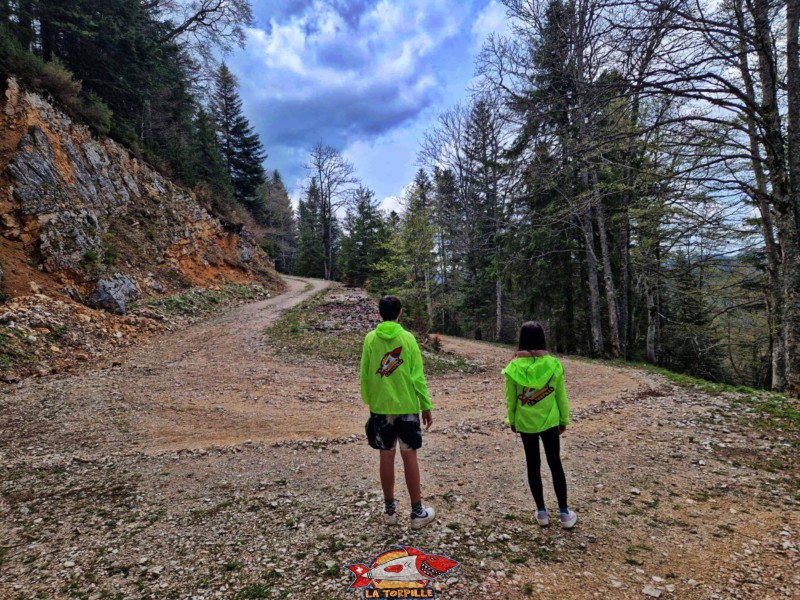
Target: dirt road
{"type": "Point", "coordinates": [208, 465]}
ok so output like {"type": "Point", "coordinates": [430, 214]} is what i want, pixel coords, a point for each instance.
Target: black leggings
{"type": "Point", "coordinates": [552, 450]}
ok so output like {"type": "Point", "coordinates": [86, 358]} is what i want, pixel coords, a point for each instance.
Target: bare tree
{"type": "Point", "coordinates": [203, 27]}
{"type": "Point", "coordinates": [336, 180]}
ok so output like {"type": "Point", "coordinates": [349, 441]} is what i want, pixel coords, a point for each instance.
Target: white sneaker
{"type": "Point", "coordinates": [417, 522]}
{"type": "Point", "coordinates": [568, 520]}
{"type": "Point", "coordinates": [390, 519]}
{"type": "Point", "coordinates": [543, 518]}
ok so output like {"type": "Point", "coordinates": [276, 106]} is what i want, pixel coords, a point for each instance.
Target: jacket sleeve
{"type": "Point", "coordinates": [418, 378]}
{"type": "Point", "coordinates": [511, 400]}
{"type": "Point", "coordinates": [364, 371]}
{"type": "Point", "coordinates": [561, 400]}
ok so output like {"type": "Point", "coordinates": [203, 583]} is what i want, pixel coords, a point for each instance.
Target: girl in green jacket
{"type": "Point", "coordinates": [537, 407]}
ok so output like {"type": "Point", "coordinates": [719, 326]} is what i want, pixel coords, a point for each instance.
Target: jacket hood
{"type": "Point", "coordinates": [388, 330]}
{"type": "Point", "coordinates": [533, 372]}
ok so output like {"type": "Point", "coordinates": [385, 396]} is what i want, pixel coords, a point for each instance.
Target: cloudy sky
{"type": "Point", "coordinates": [367, 77]}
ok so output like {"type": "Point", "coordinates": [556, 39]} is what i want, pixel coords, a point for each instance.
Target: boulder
{"type": "Point", "coordinates": [113, 294]}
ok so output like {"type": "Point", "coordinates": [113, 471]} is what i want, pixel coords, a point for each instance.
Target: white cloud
{"type": "Point", "coordinates": [492, 19]}
{"type": "Point", "coordinates": [364, 76]}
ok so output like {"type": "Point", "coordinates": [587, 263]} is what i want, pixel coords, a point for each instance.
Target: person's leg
{"type": "Point", "coordinates": [387, 473]}
{"type": "Point", "coordinates": [530, 441]}
{"type": "Point", "coordinates": [552, 449]}
{"type": "Point", "coordinates": [411, 469]}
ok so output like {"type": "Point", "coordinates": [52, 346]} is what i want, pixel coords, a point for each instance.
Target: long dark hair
{"type": "Point", "coordinates": [531, 336]}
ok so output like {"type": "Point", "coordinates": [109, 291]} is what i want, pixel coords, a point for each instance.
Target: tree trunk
{"type": "Point", "coordinates": [784, 198]}
{"type": "Point", "coordinates": [587, 229]}
{"type": "Point", "coordinates": [48, 39]}
{"type": "Point", "coordinates": [652, 320]}
{"type": "Point", "coordinates": [790, 217]}
{"type": "Point", "coordinates": [498, 334]}
{"type": "Point", "coordinates": [428, 297]}
{"type": "Point", "coordinates": [775, 292]}
{"type": "Point", "coordinates": [24, 29]}
{"type": "Point", "coordinates": [624, 283]}
{"type": "Point", "coordinates": [608, 276]}
{"type": "Point", "coordinates": [5, 12]}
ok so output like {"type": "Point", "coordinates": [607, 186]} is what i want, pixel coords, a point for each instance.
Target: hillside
{"type": "Point", "coordinates": [85, 225]}
{"type": "Point", "coordinates": [238, 469]}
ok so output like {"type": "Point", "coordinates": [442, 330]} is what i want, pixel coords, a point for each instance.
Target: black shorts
{"type": "Point", "coordinates": [386, 431]}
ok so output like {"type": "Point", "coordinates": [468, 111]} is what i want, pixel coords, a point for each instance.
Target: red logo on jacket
{"type": "Point", "coordinates": [531, 396]}
{"type": "Point", "coordinates": [390, 362]}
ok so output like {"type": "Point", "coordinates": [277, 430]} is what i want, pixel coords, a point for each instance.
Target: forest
{"type": "Point", "coordinates": [627, 172]}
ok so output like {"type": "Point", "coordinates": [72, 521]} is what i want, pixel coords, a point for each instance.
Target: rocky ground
{"type": "Point", "coordinates": [217, 462]}
{"type": "Point", "coordinates": [40, 335]}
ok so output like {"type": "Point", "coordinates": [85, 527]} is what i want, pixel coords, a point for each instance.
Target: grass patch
{"type": "Point", "coordinates": [297, 331]}
{"type": "Point", "coordinates": [772, 411]}
{"type": "Point", "coordinates": [306, 330]}
{"type": "Point", "coordinates": [710, 387]}
{"type": "Point", "coordinates": [198, 302]}
{"type": "Point", "coordinates": [15, 347]}
{"type": "Point", "coordinates": [257, 590]}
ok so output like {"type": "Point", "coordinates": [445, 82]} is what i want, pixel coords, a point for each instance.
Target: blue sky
{"type": "Point", "coordinates": [367, 77]}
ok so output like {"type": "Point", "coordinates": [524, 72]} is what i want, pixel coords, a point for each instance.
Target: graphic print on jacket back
{"type": "Point", "coordinates": [531, 396]}
{"type": "Point", "coordinates": [390, 362]}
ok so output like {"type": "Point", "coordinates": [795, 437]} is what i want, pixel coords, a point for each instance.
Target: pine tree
{"type": "Point", "coordinates": [311, 258]}
{"type": "Point", "coordinates": [362, 245]}
{"type": "Point", "coordinates": [418, 253]}
{"type": "Point", "coordinates": [241, 148]}
{"type": "Point", "coordinates": [209, 164]}
{"type": "Point", "coordinates": [279, 220]}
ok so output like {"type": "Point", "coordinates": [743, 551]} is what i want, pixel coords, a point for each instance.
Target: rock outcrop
{"type": "Point", "coordinates": [81, 216]}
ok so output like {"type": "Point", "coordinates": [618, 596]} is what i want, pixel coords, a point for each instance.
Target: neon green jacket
{"type": "Point", "coordinates": [392, 381]}
{"type": "Point", "coordinates": [536, 398]}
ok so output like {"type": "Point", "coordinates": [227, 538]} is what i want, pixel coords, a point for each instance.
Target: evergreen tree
{"type": "Point", "coordinates": [311, 255]}
{"type": "Point", "coordinates": [362, 245]}
{"type": "Point", "coordinates": [241, 148]}
{"type": "Point", "coordinates": [277, 216]}
{"type": "Point", "coordinates": [209, 164]}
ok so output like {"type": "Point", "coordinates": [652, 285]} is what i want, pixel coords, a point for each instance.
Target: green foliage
{"type": "Point", "coordinates": [362, 246]}
{"type": "Point", "coordinates": [119, 66]}
{"type": "Point", "coordinates": [242, 152]}
{"type": "Point", "coordinates": [256, 590]}
{"type": "Point", "coordinates": [13, 347]}
{"type": "Point", "coordinates": [54, 78]}
{"type": "Point", "coordinates": [298, 333]}
{"type": "Point", "coordinates": [202, 301]}
{"type": "Point", "coordinates": [311, 225]}
{"type": "Point", "coordinates": [272, 208]}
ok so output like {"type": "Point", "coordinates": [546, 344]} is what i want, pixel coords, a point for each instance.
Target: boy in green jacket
{"type": "Point", "coordinates": [393, 386]}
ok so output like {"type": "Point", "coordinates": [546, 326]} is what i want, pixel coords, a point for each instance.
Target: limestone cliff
{"type": "Point", "coordinates": [81, 216]}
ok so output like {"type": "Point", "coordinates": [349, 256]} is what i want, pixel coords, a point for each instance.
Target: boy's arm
{"type": "Point", "coordinates": [364, 371]}
{"type": "Point", "coordinates": [561, 400]}
{"type": "Point", "coordinates": [511, 400]}
{"type": "Point", "coordinates": [418, 378]}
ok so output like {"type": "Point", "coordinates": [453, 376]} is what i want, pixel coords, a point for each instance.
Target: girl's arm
{"type": "Point", "coordinates": [511, 401]}
{"type": "Point", "coordinates": [561, 400]}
